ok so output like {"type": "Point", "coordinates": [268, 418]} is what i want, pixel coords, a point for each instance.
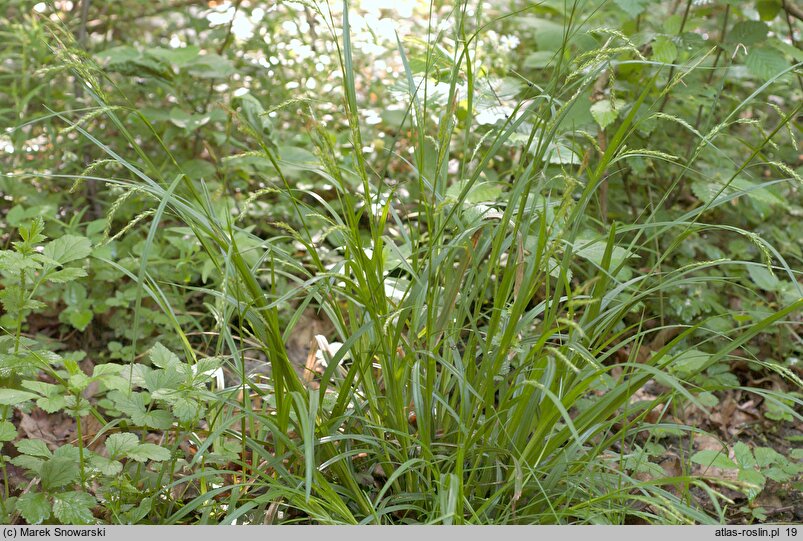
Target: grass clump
{"type": "Point", "coordinates": [506, 351]}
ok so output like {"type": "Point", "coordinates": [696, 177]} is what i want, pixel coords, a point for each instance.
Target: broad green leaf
{"type": "Point", "coordinates": [7, 431]}
{"type": "Point", "coordinates": [66, 275]}
{"type": "Point", "coordinates": [210, 66]}
{"type": "Point", "coordinates": [120, 444]}
{"type": "Point", "coordinates": [74, 507]}
{"type": "Point", "coordinates": [689, 363]}
{"type": "Point", "coordinates": [768, 9]}
{"type": "Point", "coordinates": [605, 112]}
{"type": "Point", "coordinates": [743, 454]}
{"type": "Point", "coordinates": [180, 56]}
{"type": "Point", "coordinates": [664, 50]}
{"type": "Point", "coordinates": [148, 451]}
{"type": "Point", "coordinates": [52, 404]}
{"type": "Point", "coordinates": [80, 319]}
{"type": "Point", "coordinates": [766, 456]}
{"type": "Point", "coordinates": [163, 357]}
{"type": "Point", "coordinates": [119, 55]}
{"type": "Point", "coordinates": [748, 32]}
{"type": "Point", "coordinates": [185, 409]}
{"type": "Point", "coordinates": [763, 278]}
{"type": "Point", "coordinates": [754, 479]}
{"type": "Point", "coordinates": [539, 59]}
{"type": "Point", "coordinates": [37, 448]}
{"type": "Point", "coordinates": [716, 459]}
{"type": "Point", "coordinates": [68, 248]}
{"type": "Point", "coordinates": [106, 466]}
{"type": "Point", "coordinates": [765, 63]}
{"type": "Point", "coordinates": [34, 507]}
{"type": "Point", "coordinates": [158, 419]}
{"type": "Point", "coordinates": [14, 397]}
{"type": "Point", "coordinates": [633, 7]}
{"type": "Point", "coordinates": [58, 472]}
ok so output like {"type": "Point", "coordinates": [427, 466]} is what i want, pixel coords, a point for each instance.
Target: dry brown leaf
{"type": "Point", "coordinates": [55, 429]}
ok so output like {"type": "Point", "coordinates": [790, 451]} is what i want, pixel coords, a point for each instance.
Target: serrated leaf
{"type": "Point", "coordinates": [74, 507]}
{"type": "Point", "coordinates": [66, 275]}
{"type": "Point", "coordinates": [58, 472]}
{"type": "Point", "coordinates": [712, 458]}
{"type": "Point", "coordinates": [743, 454]}
{"type": "Point", "coordinates": [605, 112]}
{"type": "Point", "coordinates": [120, 444]}
{"type": "Point", "coordinates": [748, 32]}
{"type": "Point", "coordinates": [763, 278]}
{"type": "Point", "coordinates": [68, 248]}
{"type": "Point", "coordinates": [689, 363]}
{"type": "Point", "coordinates": [80, 319]}
{"type": "Point", "coordinates": [754, 479]}
{"type": "Point", "coordinates": [664, 50]}
{"type": "Point", "coordinates": [185, 409]}
{"type": "Point", "coordinates": [768, 9]}
{"type": "Point", "coordinates": [633, 7]}
{"type": "Point", "coordinates": [14, 397]}
{"type": "Point", "coordinates": [51, 404]}
{"type": "Point", "coordinates": [149, 451]}
{"type": "Point", "coordinates": [34, 507]}
{"type": "Point", "coordinates": [158, 419]}
{"type": "Point", "coordinates": [765, 63]}
{"type": "Point", "coordinates": [163, 357]}
{"type": "Point", "coordinates": [179, 56]}
{"type": "Point", "coordinates": [7, 431]}
{"type": "Point", "coordinates": [28, 462]}
{"type": "Point", "coordinates": [766, 456]}
{"type": "Point", "coordinates": [36, 448]}
{"type": "Point", "coordinates": [210, 66]}
{"type": "Point", "coordinates": [106, 466]}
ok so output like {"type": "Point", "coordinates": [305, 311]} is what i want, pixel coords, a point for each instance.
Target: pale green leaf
{"type": "Point", "coordinates": [74, 507]}
{"type": "Point", "coordinates": [34, 507]}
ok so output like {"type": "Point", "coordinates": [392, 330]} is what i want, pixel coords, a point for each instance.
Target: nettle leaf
{"type": "Point", "coordinates": [34, 507]}
{"type": "Point", "coordinates": [74, 507]}
{"type": "Point", "coordinates": [28, 462]}
{"type": "Point", "coordinates": [58, 472]}
{"type": "Point", "coordinates": [743, 454]}
{"type": "Point", "coordinates": [187, 121]}
{"type": "Point", "coordinates": [753, 478]}
{"type": "Point", "coordinates": [180, 56]}
{"type": "Point", "coordinates": [163, 357]}
{"type": "Point", "coordinates": [748, 32]}
{"type": "Point", "coordinates": [66, 275]}
{"type": "Point", "coordinates": [106, 466]}
{"type": "Point", "coordinates": [68, 248]}
{"type": "Point", "coordinates": [149, 451]}
{"type": "Point", "coordinates": [52, 404]}
{"type": "Point", "coordinates": [120, 444]}
{"type": "Point", "coordinates": [36, 448]}
{"type": "Point", "coordinates": [158, 419]}
{"type": "Point", "coordinates": [14, 262]}
{"type": "Point", "coordinates": [210, 66]}
{"type": "Point", "coordinates": [768, 9]}
{"type": "Point", "coordinates": [712, 458]}
{"type": "Point", "coordinates": [763, 278]}
{"type": "Point", "coordinates": [163, 382]}
{"type": "Point", "coordinates": [7, 431]}
{"type": "Point", "coordinates": [766, 456]}
{"type": "Point", "coordinates": [765, 63]}
{"type": "Point", "coordinates": [14, 397]}
{"type": "Point", "coordinates": [605, 111]}
{"type": "Point", "coordinates": [185, 409]}
{"type": "Point", "coordinates": [664, 50]}
{"type": "Point", "coordinates": [689, 362]}
{"type": "Point", "coordinates": [633, 7]}
{"type": "Point", "coordinates": [80, 319]}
